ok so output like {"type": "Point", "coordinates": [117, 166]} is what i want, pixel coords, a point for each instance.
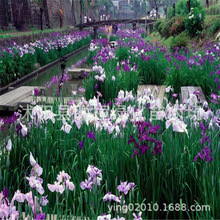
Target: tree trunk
{"type": "Point", "coordinates": [73, 10]}
{"type": "Point", "coordinates": [207, 3]}
{"type": "Point", "coordinates": [155, 1]}
{"type": "Point", "coordinates": [81, 11]}
{"type": "Point", "coordinates": [10, 14]}
{"type": "Point", "coordinates": [46, 13]}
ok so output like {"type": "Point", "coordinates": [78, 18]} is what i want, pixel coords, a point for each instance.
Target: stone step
{"type": "Point", "coordinates": [76, 73]}
{"type": "Point", "coordinates": [157, 90]}
{"type": "Point", "coordinates": [187, 90]}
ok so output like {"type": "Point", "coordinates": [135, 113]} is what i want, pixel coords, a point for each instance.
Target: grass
{"type": "Point", "coordinates": [155, 37]}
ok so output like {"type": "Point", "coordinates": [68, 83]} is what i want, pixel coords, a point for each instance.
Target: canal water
{"type": "Point", "coordinates": [73, 84]}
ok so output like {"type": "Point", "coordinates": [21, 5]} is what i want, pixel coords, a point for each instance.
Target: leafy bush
{"type": "Point", "coordinates": [194, 22]}
{"type": "Point", "coordinates": [178, 27]}
{"type": "Point", "coordinates": [170, 12]}
{"type": "Point", "coordinates": [181, 41]}
{"type": "Point", "coordinates": [157, 24]}
{"type": "Point", "coordinates": [182, 9]}
{"type": "Point", "coordinates": [165, 27]}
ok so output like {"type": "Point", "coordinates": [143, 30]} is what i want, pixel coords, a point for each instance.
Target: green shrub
{"type": "Point", "coordinates": [160, 27]}
{"type": "Point", "coordinates": [194, 22]}
{"type": "Point", "coordinates": [157, 24]}
{"type": "Point", "coordinates": [170, 12]}
{"type": "Point", "coordinates": [178, 27]}
{"type": "Point", "coordinates": [165, 27]}
{"type": "Point", "coordinates": [182, 9]}
{"type": "Point", "coordinates": [179, 41]}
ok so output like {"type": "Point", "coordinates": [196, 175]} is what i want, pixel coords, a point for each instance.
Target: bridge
{"type": "Point", "coordinates": [134, 22]}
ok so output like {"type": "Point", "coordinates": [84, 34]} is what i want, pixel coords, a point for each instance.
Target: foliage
{"type": "Point", "coordinates": [143, 8]}
{"type": "Point", "coordinates": [5, 36]}
{"type": "Point", "coordinates": [165, 27]}
{"type": "Point", "coordinates": [122, 54]}
{"type": "Point", "coordinates": [194, 22]}
{"type": "Point", "coordinates": [125, 80]}
{"type": "Point", "coordinates": [157, 24]}
{"type": "Point", "coordinates": [181, 41]}
{"type": "Point", "coordinates": [178, 27]}
{"type": "Point", "coordinates": [182, 9]}
{"type": "Point", "coordinates": [170, 12]}
{"type": "Point", "coordinates": [107, 3]}
{"type": "Point", "coordinates": [215, 27]}
{"type": "Point", "coordinates": [136, 7]}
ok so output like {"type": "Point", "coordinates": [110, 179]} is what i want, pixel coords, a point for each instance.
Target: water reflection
{"type": "Point", "coordinates": [73, 84]}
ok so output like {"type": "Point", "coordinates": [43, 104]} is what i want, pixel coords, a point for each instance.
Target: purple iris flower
{"type": "Point", "coordinates": [197, 93]}
{"type": "Point", "coordinates": [157, 148]}
{"type": "Point", "coordinates": [5, 192]}
{"type": "Point", "coordinates": [144, 141]}
{"type": "Point", "coordinates": [91, 135]}
{"type": "Point", "coordinates": [36, 92]}
{"type": "Point", "coordinates": [81, 145]}
{"type": "Point", "coordinates": [135, 153]}
{"type": "Point", "coordinates": [118, 68]}
{"type": "Point", "coordinates": [40, 216]}
{"type": "Point", "coordinates": [126, 68]}
{"type": "Point", "coordinates": [204, 155]}
{"type": "Point", "coordinates": [204, 139]}
{"type": "Point", "coordinates": [153, 129]}
{"type": "Point", "coordinates": [96, 86]}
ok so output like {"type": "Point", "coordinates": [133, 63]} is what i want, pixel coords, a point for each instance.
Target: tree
{"type": "Point", "coordinates": [136, 7]}
{"type": "Point", "coordinates": [143, 8]}
{"type": "Point", "coordinates": [207, 3]}
{"type": "Point", "coordinates": [107, 3]}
